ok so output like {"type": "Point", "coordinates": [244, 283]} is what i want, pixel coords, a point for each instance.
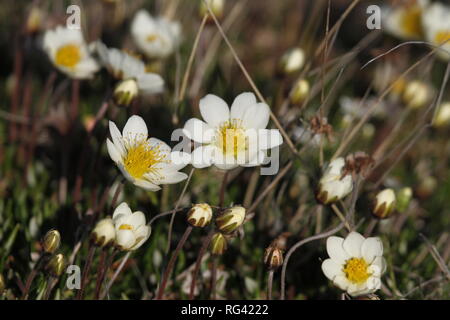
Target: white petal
{"type": "Point", "coordinates": [178, 160]}
{"type": "Point", "coordinates": [198, 131]}
{"type": "Point", "coordinates": [268, 139]}
{"type": "Point", "coordinates": [142, 234]}
{"type": "Point", "coordinates": [256, 116]}
{"type": "Point", "coordinates": [203, 156]}
{"type": "Point", "coordinates": [336, 250]}
{"type": "Point", "coordinates": [174, 177]}
{"type": "Point", "coordinates": [352, 244]}
{"type": "Point", "coordinates": [371, 248]}
{"type": "Point", "coordinates": [161, 145]}
{"type": "Point", "coordinates": [147, 185]}
{"type": "Point", "coordinates": [123, 209]}
{"type": "Point", "coordinates": [116, 137]}
{"type": "Point", "coordinates": [150, 83]}
{"type": "Point", "coordinates": [378, 266]}
{"type": "Point", "coordinates": [341, 282]}
{"type": "Point", "coordinates": [331, 269]}
{"type": "Point", "coordinates": [113, 152]}
{"type": "Point", "coordinates": [135, 129]}
{"type": "Point", "coordinates": [241, 103]}
{"type": "Point", "coordinates": [137, 219]}
{"type": "Point", "coordinates": [214, 110]}
{"type": "Point", "coordinates": [125, 239]}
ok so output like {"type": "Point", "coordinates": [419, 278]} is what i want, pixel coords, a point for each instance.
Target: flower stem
{"type": "Point", "coordinates": [171, 264]}
{"type": "Point", "coordinates": [213, 277]}
{"type": "Point", "coordinates": [51, 282]}
{"type": "Point", "coordinates": [269, 285]}
{"type": "Point", "coordinates": [86, 269]}
{"type": "Point", "coordinates": [101, 271]}
{"type": "Point", "coordinates": [31, 277]}
{"type": "Point", "coordinates": [198, 263]}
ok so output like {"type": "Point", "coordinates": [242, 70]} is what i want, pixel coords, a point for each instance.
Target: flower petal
{"type": "Point", "coordinates": [173, 177]}
{"type": "Point", "coordinates": [113, 152]}
{"type": "Point", "coordinates": [336, 250]}
{"type": "Point", "coordinates": [331, 269]}
{"type": "Point", "coordinates": [123, 209]}
{"type": "Point", "coordinates": [268, 139]}
{"type": "Point", "coordinates": [352, 244]}
{"type": "Point", "coordinates": [116, 137]}
{"type": "Point", "coordinates": [371, 248]}
{"type": "Point", "coordinates": [256, 116]}
{"type": "Point", "coordinates": [135, 129]}
{"type": "Point", "coordinates": [198, 131]}
{"type": "Point", "coordinates": [203, 156]}
{"type": "Point", "coordinates": [137, 219]}
{"type": "Point", "coordinates": [214, 110]}
{"type": "Point", "coordinates": [341, 282]}
{"type": "Point", "coordinates": [125, 239]}
{"type": "Point", "coordinates": [147, 185]}
{"type": "Point", "coordinates": [241, 103]}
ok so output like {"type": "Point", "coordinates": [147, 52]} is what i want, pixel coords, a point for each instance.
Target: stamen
{"type": "Point", "coordinates": [231, 138]}
{"type": "Point", "coordinates": [68, 56]}
{"type": "Point", "coordinates": [356, 270]}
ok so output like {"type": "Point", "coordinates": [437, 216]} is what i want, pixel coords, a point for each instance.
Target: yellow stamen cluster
{"type": "Point", "coordinates": [68, 56]}
{"type": "Point", "coordinates": [231, 138]}
{"type": "Point", "coordinates": [411, 21]}
{"type": "Point", "coordinates": [152, 37]}
{"type": "Point", "coordinates": [355, 270]}
{"type": "Point", "coordinates": [126, 227]}
{"type": "Point", "coordinates": [442, 37]}
{"type": "Point", "coordinates": [142, 158]}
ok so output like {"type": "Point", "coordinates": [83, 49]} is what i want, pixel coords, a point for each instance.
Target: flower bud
{"type": "Point", "coordinates": [416, 94]}
{"type": "Point", "coordinates": [231, 219]}
{"type": "Point", "coordinates": [56, 265]}
{"type": "Point", "coordinates": [125, 92]}
{"type": "Point", "coordinates": [34, 20]}
{"type": "Point", "coordinates": [218, 244]}
{"type": "Point", "coordinates": [292, 61]}
{"type": "Point", "coordinates": [216, 7]}
{"type": "Point", "coordinates": [273, 257]}
{"type": "Point", "coordinates": [104, 233]}
{"type": "Point", "coordinates": [200, 215]}
{"type": "Point", "coordinates": [443, 116]}
{"type": "Point", "coordinates": [404, 196]}
{"type": "Point", "coordinates": [300, 91]}
{"type": "Point", "coordinates": [2, 284]}
{"type": "Point", "coordinates": [51, 241]}
{"type": "Point", "coordinates": [334, 185]}
{"type": "Point", "coordinates": [384, 204]}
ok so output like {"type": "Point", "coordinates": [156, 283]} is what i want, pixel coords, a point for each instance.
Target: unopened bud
{"type": "Point", "coordinates": [334, 185]}
{"type": "Point", "coordinates": [231, 219]}
{"type": "Point", "coordinates": [443, 116]}
{"type": "Point", "coordinates": [300, 91]}
{"type": "Point", "coordinates": [404, 196]}
{"type": "Point", "coordinates": [34, 20]}
{"type": "Point", "coordinates": [104, 233]}
{"type": "Point", "coordinates": [416, 94]}
{"type": "Point", "coordinates": [51, 241]}
{"type": "Point", "coordinates": [56, 265]}
{"type": "Point", "coordinates": [200, 215]}
{"type": "Point", "coordinates": [125, 92]}
{"type": "Point", "coordinates": [273, 257]}
{"type": "Point", "coordinates": [292, 61]}
{"type": "Point", "coordinates": [216, 7]}
{"type": "Point", "coordinates": [218, 244]}
{"type": "Point", "coordinates": [384, 204]}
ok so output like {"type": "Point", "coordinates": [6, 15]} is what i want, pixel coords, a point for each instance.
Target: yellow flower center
{"type": "Point", "coordinates": [152, 37]}
{"type": "Point", "coordinates": [68, 56]}
{"type": "Point", "coordinates": [355, 270]}
{"type": "Point", "coordinates": [231, 138]}
{"type": "Point", "coordinates": [142, 158]}
{"type": "Point", "coordinates": [442, 36]}
{"type": "Point", "coordinates": [126, 227]}
{"type": "Point", "coordinates": [411, 21]}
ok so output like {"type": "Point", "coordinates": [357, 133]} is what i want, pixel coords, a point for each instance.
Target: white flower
{"type": "Point", "coordinates": [436, 24]}
{"type": "Point", "coordinates": [404, 21]}
{"type": "Point", "coordinates": [292, 61]}
{"type": "Point", "coordinates": [124, 66]}
{"type": "Point", "coordinates": [443, 116]}
{"type": "Point", "coordinates": [155, 37]}
{"type": "Point", "coordinates": [146, 162]}
{"type": "Point", "coordinates": [69, 53]}
{"type": "Point", "coordinates": [131, 230]}
{"type": "Point", "coordinates": [333, 186]}
{"type": "Point", "coordinates": [231, 138]}
{"type": "Point", "coordinates": [356, 263]}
